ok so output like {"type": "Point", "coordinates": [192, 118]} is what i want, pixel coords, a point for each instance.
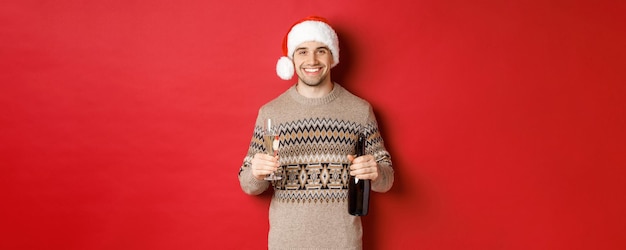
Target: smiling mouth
{"type": "Point", "coordinates": [315, 70]}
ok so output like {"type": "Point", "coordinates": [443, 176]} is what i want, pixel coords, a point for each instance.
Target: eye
{"type": "Point", "coordinates": [301, 52]}
{"type": "Point", "coordinates": [322, 51]}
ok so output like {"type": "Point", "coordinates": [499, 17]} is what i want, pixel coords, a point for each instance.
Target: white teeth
{"type": "Point", "coordinates": [311, 70]}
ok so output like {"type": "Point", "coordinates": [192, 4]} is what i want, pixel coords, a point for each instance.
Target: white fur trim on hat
{"type": "Point", "coordinates": [284, 68]}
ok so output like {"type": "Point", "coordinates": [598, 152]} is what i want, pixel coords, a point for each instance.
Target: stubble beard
{"type": "Point", "coordinates": [312, 82]}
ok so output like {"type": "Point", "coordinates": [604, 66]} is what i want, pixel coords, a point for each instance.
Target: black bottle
{"type": "Point", "coordinates": [358, 190]}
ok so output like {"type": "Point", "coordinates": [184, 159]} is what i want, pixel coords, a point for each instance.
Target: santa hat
{"type": "Point", "coordinates": [309, 29]}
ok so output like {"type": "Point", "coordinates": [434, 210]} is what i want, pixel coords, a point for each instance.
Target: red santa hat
{"type": "Point", "coordinates": [309, 29]}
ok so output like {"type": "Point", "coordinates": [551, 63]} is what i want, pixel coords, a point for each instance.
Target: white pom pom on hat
{"type": "Point", "coordinates": [312, 28]}
{"type": "Point", "coordinates": [284, 68]}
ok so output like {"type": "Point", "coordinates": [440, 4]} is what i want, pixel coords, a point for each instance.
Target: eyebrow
{"type": "Point", "coordinates": [321, 47]}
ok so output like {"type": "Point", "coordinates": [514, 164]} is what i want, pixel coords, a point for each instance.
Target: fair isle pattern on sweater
{"type": "Point", "coordinates": [313, 159]}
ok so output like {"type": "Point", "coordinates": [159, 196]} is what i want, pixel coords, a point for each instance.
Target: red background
{"type": "Point", "coordinates": [123, 123]}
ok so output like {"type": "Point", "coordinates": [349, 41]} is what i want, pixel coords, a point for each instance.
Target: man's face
{"type": "Point", "coordinates": [312, 61]}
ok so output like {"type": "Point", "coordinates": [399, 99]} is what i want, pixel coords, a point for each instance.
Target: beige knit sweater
{"type": "Point", "coordinates": [309, 207]}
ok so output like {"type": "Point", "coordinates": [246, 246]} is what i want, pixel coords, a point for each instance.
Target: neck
{"type": "Point", "coordinates": [316, 91]}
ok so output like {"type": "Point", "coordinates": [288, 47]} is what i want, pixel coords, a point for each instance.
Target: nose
{"type": "Point", "coordinates": [311, 58]}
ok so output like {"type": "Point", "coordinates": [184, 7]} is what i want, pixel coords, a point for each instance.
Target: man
{"type": "Point", "coordinates": [318, 122]}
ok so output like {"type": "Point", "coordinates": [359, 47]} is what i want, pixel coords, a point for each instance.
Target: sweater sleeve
{"type": "Point", "coordinates": [385, 178]}
{"type": "Point", "coordinates": [376, 147]}
{"type": "Point", "coordinates": [248, 183]}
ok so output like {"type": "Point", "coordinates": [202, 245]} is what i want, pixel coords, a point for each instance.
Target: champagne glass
{"type": "Point", "coordinates": [271, 140]}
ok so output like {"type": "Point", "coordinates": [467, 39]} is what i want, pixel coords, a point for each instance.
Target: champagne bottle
{"type": "Point", "coordinates": [358, 190]}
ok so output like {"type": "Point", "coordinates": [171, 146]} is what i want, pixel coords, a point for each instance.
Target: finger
{"type": "Point", "coordinates": [266, 157]}
{"type": "Point", "coordinates": [364, 158]}
{"type": "Point", "coordinates": [363, 162]}
{"type": "Point", "coordinates": [270, 165]}
{"type": "Point", "coordinates": [371, 176]}
{"type": "Point", "coordinates": [359, 169]}
{"type": "Point", "coordinates": [351, 158]}
{"type": "Point", "coordinates": [260, 174]}
{"type": "Point", "coordinates": [264, 164]}
{"type": "Point", "coordinates": [365, 173]}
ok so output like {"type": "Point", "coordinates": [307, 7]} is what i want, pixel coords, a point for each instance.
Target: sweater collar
{"type": "Point", "coordinates": [336, 92]}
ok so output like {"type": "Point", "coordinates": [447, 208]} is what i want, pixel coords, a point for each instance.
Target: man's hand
{"type": "Point", "coordinates": [364, 167]}
{"type": "Point", "coordinates": [263, 164]}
